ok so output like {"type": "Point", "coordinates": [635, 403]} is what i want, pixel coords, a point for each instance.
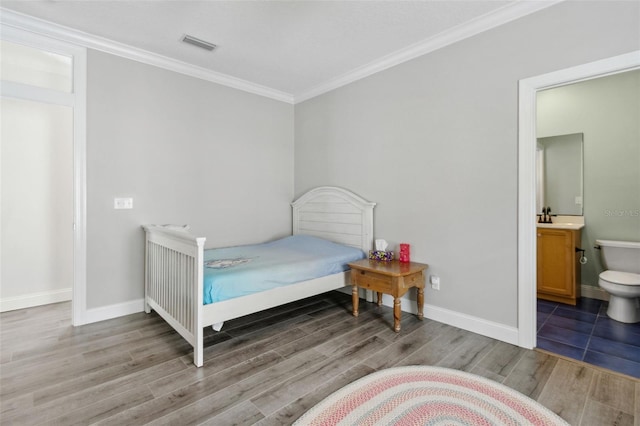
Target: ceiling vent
{"type": "Point", "coordinates": [200, 43]}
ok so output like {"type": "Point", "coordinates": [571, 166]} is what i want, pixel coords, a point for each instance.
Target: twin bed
{"type": "Point", "coordinates": [192, 288]}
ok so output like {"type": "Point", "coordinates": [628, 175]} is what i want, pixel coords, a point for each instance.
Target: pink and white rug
{"type": "Point", "coordinates": [424, 395]}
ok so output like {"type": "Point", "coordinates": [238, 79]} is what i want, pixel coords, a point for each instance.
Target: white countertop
{"type": "Point", "coordinates": [564, 222]}
{"type": "Point", "coordinates": [575, 226]}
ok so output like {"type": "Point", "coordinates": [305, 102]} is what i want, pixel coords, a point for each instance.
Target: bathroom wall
{"type": "Point", "coordinates": [607, 111]}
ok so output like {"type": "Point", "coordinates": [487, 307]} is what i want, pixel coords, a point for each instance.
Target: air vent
{"type": "Point", "coordinates": [200, 43]}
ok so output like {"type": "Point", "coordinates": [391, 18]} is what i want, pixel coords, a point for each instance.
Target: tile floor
{"type": "Point", "coordinates": [585, 332]}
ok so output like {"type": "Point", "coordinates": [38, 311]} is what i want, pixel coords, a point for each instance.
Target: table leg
{"type": "Point", "coordinates": [420, 303]}
{"type": "Point", "coordinates": [396, 314]}
{"type": "Point", "coordinates": [379, 299]}
{"type": "Point", "coordinates": [355, 299]}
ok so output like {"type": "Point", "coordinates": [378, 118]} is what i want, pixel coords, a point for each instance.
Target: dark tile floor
{"type": "Point", "coordinates": [585, 332]}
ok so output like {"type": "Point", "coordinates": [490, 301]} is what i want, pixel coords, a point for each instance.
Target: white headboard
{"type": "Point", "coordinates": [335, 214]}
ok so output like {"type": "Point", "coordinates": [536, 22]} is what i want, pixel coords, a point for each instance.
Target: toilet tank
{"type": "Point", "coordinates": [623, 256]}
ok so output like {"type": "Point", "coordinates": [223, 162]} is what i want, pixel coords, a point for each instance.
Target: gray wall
{"type": "Point", "coordinates": [434, 142]}
{"type": "Point", "coordinates": [187, 151]}
{"type": "Point", "coordinates": [607, 111]}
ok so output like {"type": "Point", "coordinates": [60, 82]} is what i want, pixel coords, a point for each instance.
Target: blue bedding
{"type": "Point", "coordinates": [239, 271]}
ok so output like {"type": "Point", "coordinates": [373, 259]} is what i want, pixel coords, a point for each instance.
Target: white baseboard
{"type": "Point", "coordinates": [466, 322]}
{"type": "Point", "coordinates": [35, 299]}
{"type": "Point", "coordinates": [113, 311]}
{"type": "Point", "coordinates": [477, 325]}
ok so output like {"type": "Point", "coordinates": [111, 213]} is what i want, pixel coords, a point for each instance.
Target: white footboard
{"type": "Point", "coordinates": [174, 282]}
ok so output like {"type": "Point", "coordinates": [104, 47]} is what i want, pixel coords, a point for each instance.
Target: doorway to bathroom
{"type": "Point", "coordinates": [549, 325]}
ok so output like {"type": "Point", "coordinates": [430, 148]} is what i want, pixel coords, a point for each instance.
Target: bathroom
{"type": "Point", "coordinates": [602, 113]}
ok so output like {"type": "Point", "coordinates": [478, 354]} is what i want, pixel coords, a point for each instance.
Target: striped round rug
{"type": "Point", "coordinates": [424, 395]}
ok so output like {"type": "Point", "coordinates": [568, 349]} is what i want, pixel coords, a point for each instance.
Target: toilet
{"type": "Point", "coordinates": [621, 279]}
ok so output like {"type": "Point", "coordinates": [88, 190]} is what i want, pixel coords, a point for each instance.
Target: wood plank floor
{"type": "Point", "coordinates": [266, 368]}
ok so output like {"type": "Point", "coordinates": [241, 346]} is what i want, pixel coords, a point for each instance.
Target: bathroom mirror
{"type": "Point", "coordinates": [559, 174]}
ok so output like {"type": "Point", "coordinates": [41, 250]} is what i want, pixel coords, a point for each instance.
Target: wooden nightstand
{"type": "Point", "coordinates": [393, 278]}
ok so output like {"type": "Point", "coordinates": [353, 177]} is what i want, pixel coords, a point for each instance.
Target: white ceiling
{"type": "Point", "coordinates": [295, 49]}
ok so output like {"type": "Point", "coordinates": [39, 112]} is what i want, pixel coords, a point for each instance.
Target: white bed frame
{"type": "Point", "coordinates": [174, 265]}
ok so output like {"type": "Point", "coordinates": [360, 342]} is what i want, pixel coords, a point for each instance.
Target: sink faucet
{"type": "Point", "coordinates": [545, 217]}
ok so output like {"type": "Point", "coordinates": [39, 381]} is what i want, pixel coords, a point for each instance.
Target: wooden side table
{"type": "Point", "coordinates": [393, 278]}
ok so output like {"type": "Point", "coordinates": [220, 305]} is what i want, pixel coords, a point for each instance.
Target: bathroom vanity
{"type": "Point", "coordinates": [560, 184]}
{"type": "Point", "coordinates": [558, 265]}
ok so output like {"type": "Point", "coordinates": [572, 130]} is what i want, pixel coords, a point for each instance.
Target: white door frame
{"type": "Point", "coordinates": [527, 176]}
{"type": "Point", "coordinates": [77, 101]}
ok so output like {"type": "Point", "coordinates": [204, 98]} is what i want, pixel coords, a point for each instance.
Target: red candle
{"type": "Point", "coordinates": [405, 255]}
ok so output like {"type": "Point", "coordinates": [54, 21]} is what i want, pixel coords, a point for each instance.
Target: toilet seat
{"type": "Point", "coordinates": [620, 278]}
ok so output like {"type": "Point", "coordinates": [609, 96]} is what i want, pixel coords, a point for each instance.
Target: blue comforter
{"type": "Point", "coordinates": [239, 271]}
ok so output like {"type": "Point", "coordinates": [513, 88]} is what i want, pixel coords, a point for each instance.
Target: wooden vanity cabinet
{"type": "Point", "coordinates": [558, 266]}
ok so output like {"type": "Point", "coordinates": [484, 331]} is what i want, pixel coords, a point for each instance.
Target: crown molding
{"type": "Point", "coordinates": [70, 35]}
{"type": "Point", "coordinates": [483, 23]}
{"type": "Point", "coordinates": [476, 26]}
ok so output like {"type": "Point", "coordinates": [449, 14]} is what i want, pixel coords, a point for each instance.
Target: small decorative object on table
{"type": "Point", "coordinates": [381, 256]}
{"type": "Point", "coordinates": [405, 255]}
{"type": "Point", "coordinates": [380, 253]}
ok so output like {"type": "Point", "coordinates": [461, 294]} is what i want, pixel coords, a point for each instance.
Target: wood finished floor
{"type": "Point", "coordinates": [267, 368]}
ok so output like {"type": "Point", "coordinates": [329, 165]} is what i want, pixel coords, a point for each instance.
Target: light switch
{"type": "Point", "coordinates": [122, 203]}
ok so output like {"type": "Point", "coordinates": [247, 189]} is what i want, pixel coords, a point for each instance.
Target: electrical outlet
{"type": "Point", "coordinates": [435, 282]}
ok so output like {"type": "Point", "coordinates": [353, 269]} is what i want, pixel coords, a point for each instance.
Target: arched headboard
{"type": "Point", "coordinates": [335, 214]}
